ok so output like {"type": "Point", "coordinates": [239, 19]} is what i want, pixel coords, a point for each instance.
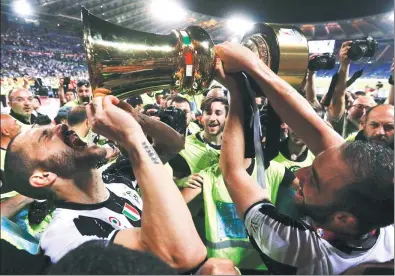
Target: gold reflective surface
{"type": "Point", "coordinates": [283, 48]}
{"type": "Point", "coordinates": [130, 62]}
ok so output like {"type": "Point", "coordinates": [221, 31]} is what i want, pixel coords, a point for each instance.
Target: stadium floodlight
{"type": "Point", "coordinates": [235, 40]}
{"type": "Point", "coordinates": [167, 10]}
{"type": "Point", "coordinates": [239, 25]}
{"type": "Point", "coordinates": [22, 7]}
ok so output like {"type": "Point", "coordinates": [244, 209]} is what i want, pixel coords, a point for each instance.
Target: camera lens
{"type": "Point", "coordinates": [357, 51]}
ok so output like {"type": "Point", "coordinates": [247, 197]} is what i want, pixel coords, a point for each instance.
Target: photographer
{"type": "Point", "coordinates": [183, 104]}
{"type": "Point", "coordinates": [65, 97]}
{"type": "Point", "coordinates": [346, 122]}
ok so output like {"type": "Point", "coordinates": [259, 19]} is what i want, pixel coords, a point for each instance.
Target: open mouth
{"type": "Point", "coordinates": [71, 139]}
{"type": "Point", "coordinates": [213, 125]}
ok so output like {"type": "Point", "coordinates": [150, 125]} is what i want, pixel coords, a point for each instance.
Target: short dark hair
{"type": "Point", "coordinates": [83, 83]}
{"type": "Point", "coordinates": [207, 102]}
{"type": "Point", "coordinates": [179, 99]}
{"type": "Point", "coordinates": [17, 171]}
{"type": "Point", "coordinates": [38, 99]}
{"type": "Point", "coordinates": [76, 116]}
{"type": "Point", "coordinates": [370, 198]}
{"type": "Point", "coordinates": [99, 257]}
{"type": "Point", "coordinates": [360, 93]}
{"type": "Point", "coordinates": [135, 101]}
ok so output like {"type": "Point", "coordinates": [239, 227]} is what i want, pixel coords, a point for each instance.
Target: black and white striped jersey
{"type": "Point", "coordinates": [74, 224]}
{"type": "Point", "coordinates": [291, 247]}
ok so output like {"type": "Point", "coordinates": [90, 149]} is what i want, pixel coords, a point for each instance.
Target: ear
{"type": "Point", "coordinates": [87, 124]}
{"type": "Point", "coordinates": [40, 179]}
{"type": "Point", "coordinates": [345, 220]}
{"type": "Point", "coordinates": [5, 132]}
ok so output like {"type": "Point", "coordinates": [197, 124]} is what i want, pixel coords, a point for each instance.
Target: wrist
{"type": "Point", "coordinates": [344, 65]}
{"type": "Point", "coordinates": [131, 139]}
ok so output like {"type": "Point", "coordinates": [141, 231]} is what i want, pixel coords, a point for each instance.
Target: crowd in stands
{"type": "Point", "coordinates": [165, 183]}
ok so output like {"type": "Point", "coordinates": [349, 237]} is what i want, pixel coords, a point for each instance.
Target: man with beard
{"type": "Point", "coordinates": [202, 149]}
{"type": "Point", "coordinates": [346, 122]}
{"type": "Point", "coordinates": [347, 194]}
{"type": "Point", "coordinates": [84, 94]}
{"type": "Point", "coordinates": [53, 163]}
{"type": "Point", "coordinates": [377, 126]}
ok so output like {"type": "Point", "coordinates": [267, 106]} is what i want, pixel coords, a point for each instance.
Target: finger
{"type": "Point", "coordinates": [219, 68]}
{"type": "Point", "coordinates": [199, 178]}
{"type": "Point", "coordinates": [109, 101]}
{"type": "Point", "coordinates": [219, 50]}
{"type": "Point", "coordinates": [89, 112]}
{"type": "Point", "coordinates": [97, 105]}
{"type": "Point", "coordinates": [194, 184]}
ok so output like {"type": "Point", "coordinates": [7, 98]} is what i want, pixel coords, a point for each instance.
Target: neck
{"type": "Point", "coordinates": [4, 142]}
{"type": "Point", "coordinates": [80, 130]}
{"type": "Point", "coordinates": [25, 117]}
{"type": "Point", "coordinates": [215, 140]}
{"type": "Point", "coordinates": [296, 149]}
{"type": "Point", "coordinates": [84, 188]}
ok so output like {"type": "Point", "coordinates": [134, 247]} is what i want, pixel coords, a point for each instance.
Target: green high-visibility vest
{"type": "Point", "coordinates": [295, 165]}
{"type": "Point", "coordinates": [226, 236]}
{"type": "Point", "coordinates": [198, 156]}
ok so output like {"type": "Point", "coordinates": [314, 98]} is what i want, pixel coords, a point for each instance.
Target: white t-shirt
{"type": "Point", "coordinates": [292, 247]}
{"type": "Point", "coordinates": [74, 224]}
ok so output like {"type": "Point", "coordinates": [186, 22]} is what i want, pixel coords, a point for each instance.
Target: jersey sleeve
{"type": "Point", "coordinates": [284, 244]}
{"type": "Point", "coordinates": [61, 238]}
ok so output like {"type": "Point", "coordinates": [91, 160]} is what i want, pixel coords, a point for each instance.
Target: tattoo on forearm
{"type": "Point", "coordinates": [151, 153]}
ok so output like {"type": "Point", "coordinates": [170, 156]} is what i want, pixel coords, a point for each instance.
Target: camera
{"type": "Point", "coordinates": [324, 61]}
{"type": "Point", "coordinates": [66, 81]}
{"type": "Point", "coordinates": [362, 48]}
{"type": "Point", "coordinates": [173, 117]}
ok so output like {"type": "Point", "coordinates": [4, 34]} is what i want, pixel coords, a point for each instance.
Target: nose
{"type": "Point", "coordinates": [380, 131]}
{"type": "Point", "coordinates": [213, 117]}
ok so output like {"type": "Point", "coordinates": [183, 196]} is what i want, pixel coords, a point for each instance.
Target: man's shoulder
{"type": "Point", "coordinates": [72, 103]}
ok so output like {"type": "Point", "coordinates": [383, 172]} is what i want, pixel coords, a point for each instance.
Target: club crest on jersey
{"type": "Point", "coordinates": [133, 197]}
{"type": "Point", "coordinates": [131, 212]}
{"type": "Point", "coordinates": [115, 221]}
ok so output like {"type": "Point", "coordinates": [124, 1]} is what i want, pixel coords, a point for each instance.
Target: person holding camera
{"type": "Point", "coordinates": [346, 121]}
{"type": "Point", "coordinates": [65, 95]}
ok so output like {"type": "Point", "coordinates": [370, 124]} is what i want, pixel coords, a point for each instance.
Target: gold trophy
{"type": "Point", "coordinates": [126, 62]}
{"type": "Point", "coordinates": [283, 48]}
{"type": "Point", "coordinates": [129, 62]}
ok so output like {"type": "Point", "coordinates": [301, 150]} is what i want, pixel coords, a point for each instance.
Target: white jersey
{"type": "Point", "coordinates": [291, 247]}
{"type": "Point", "coordinates": [74, 224]}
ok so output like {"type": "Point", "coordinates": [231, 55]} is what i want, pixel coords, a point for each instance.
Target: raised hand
{"type": "Point", "coordinates": [111, 121]}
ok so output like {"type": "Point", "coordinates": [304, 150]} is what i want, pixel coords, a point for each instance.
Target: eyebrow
{"type": "Point", "coordinates": [316, 178]}
{"type": "Point", "coordinates": [44, 133]}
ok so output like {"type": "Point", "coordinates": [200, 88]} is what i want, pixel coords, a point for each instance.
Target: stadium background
{"type": "Point", "coordinates": [42, 38]}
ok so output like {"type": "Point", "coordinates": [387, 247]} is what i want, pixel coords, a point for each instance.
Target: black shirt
{"type": "Point", "coordinates": [285, 152]}
{"type": "Point", "coordinates": [40, 119]}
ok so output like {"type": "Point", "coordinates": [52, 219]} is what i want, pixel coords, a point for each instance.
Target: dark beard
{"type": "Point", "coordinates": [69, 162]}
{"type": "Point", "coordinates": [319, 214]}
